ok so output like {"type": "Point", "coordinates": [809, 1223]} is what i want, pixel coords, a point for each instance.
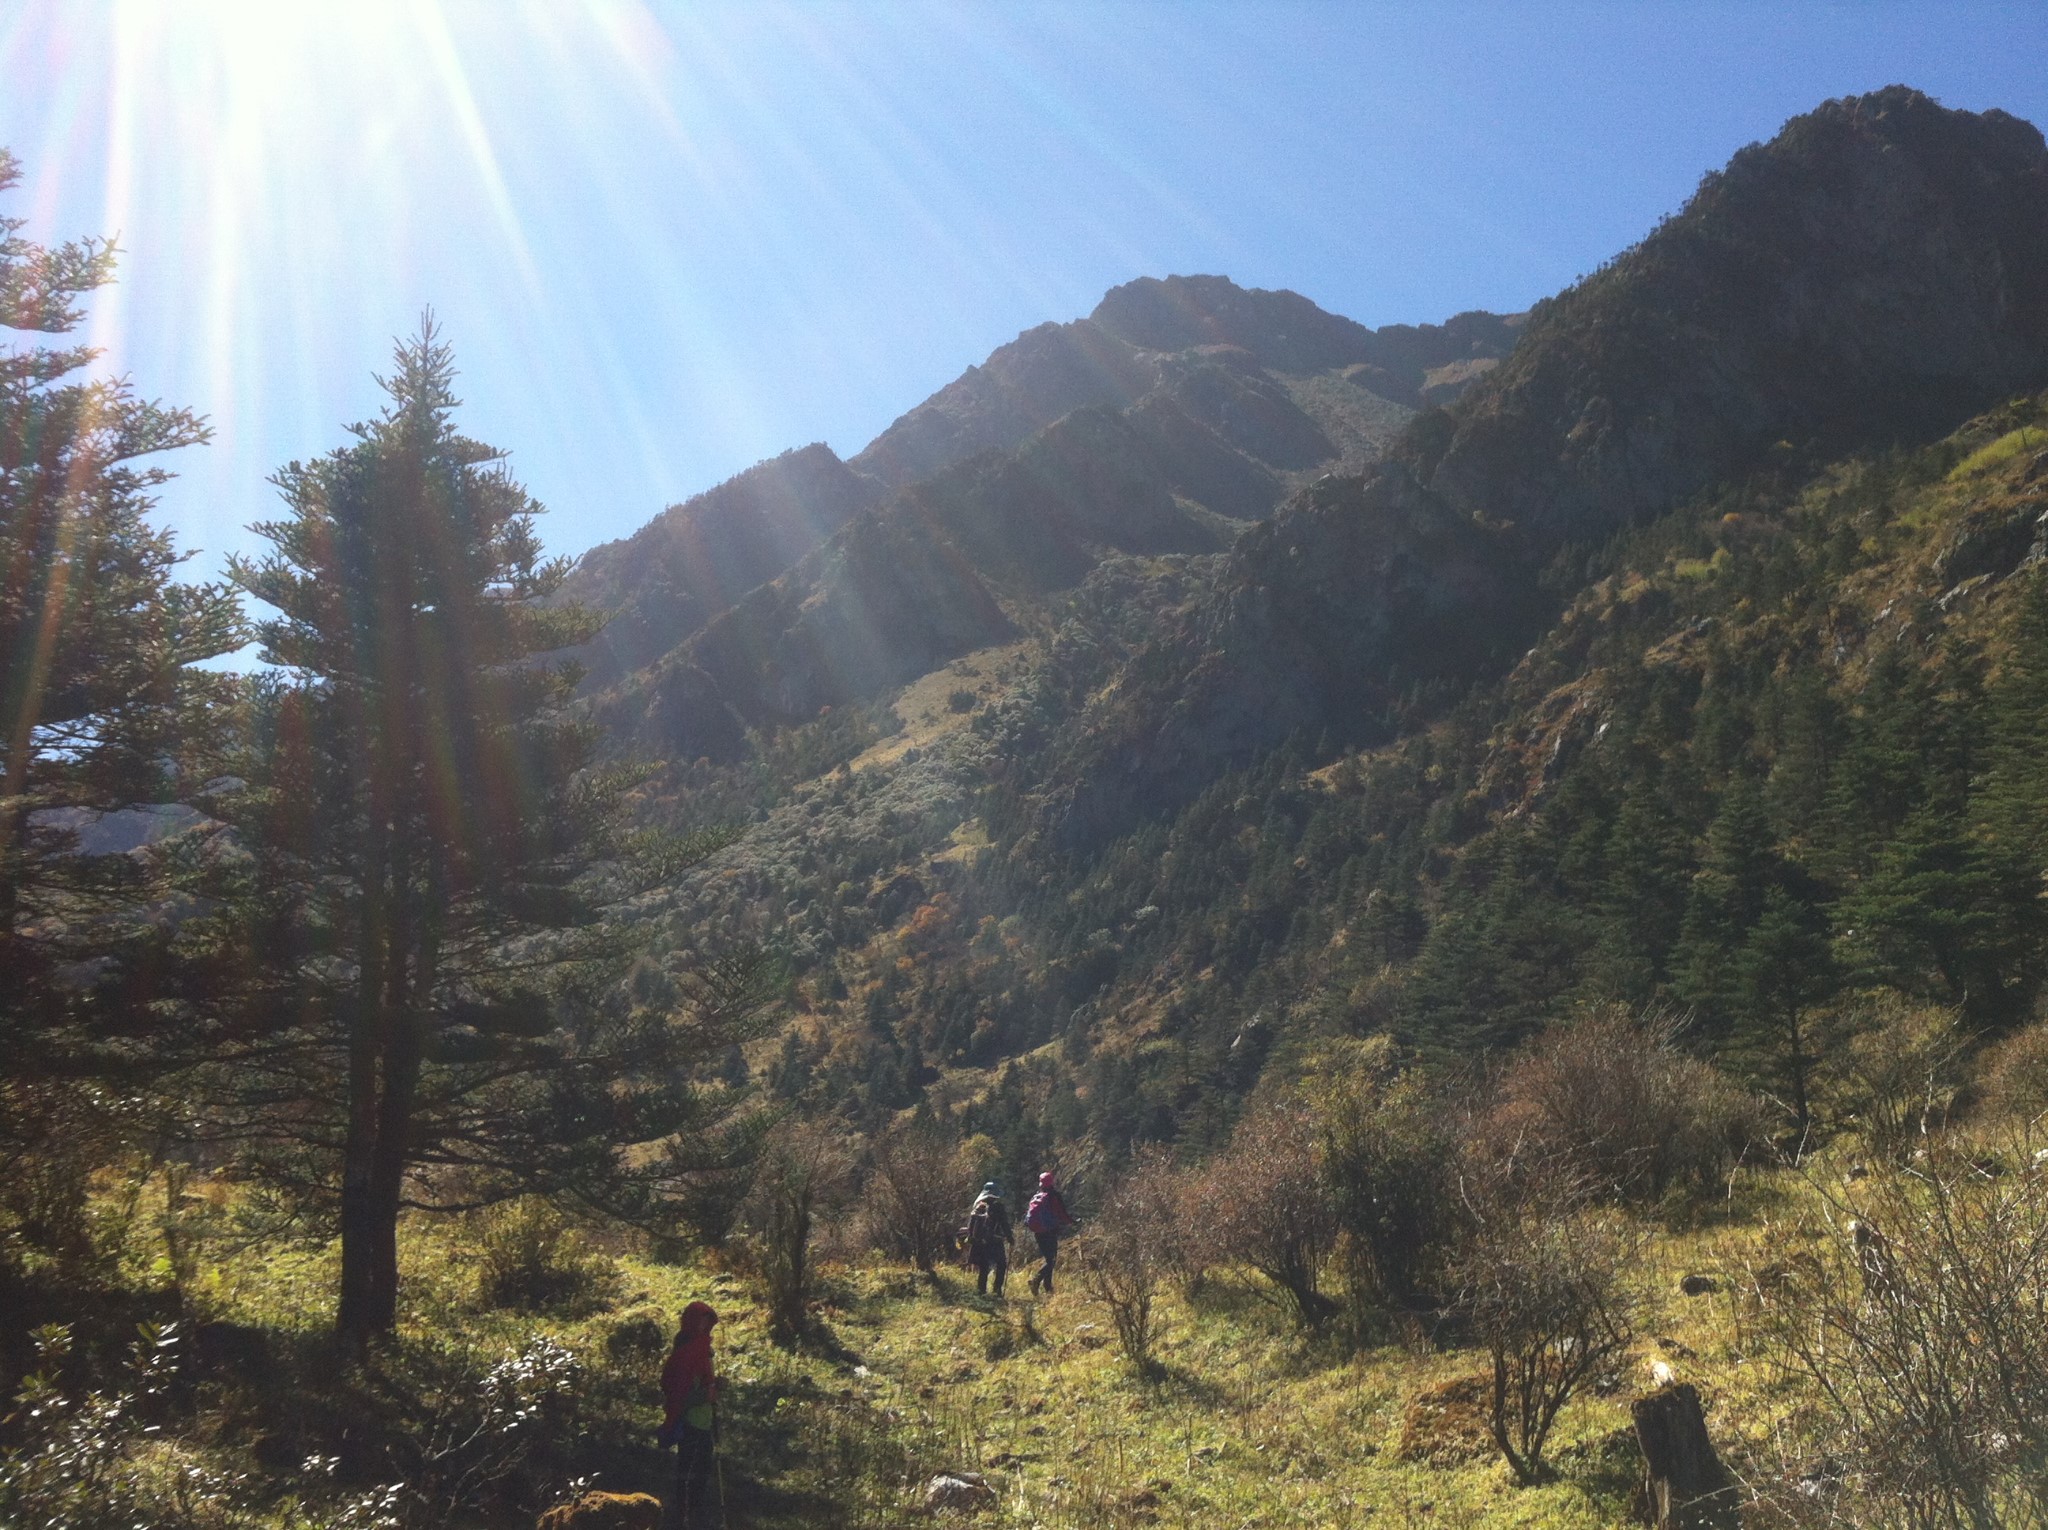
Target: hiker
{"type": "Point", "coordinates": [1048, 1219]}
{"type": "Point", "coordinates": [989, 1237]}
{"type": "Point", "coordinates": [689, 1397]}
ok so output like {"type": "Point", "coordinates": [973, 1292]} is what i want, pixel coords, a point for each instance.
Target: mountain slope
{"type": "Point", "coordinates": [1878, 270]}
{"type": "Point", "coordinates": [1145, 451]}
{"type": "Point", "coordinates": [1122, 352]}
{"type": "Point", "coordinates": [698, 558]}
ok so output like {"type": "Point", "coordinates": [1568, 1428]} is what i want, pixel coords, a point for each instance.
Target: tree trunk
{"type": "Point", "coordinates": [369, 1226]}
{"type": "Point", "coordinates": [1685, 1486]}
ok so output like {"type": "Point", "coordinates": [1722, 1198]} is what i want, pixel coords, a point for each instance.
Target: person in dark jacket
{"type": "Point", "coordinates": [1049, 1221]}
{"type": "Point", "coordinates": [989, 1236]}
{"type": "Point", "coordinates": [689, 1399]}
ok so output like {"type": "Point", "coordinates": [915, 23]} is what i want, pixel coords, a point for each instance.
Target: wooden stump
{"type": "Point", "coordinates": [1685, 1486]}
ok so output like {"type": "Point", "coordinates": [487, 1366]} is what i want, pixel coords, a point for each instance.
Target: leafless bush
{"type": "Point", "coordinates": [1919, 1349]}
{"type": "Point", "coordinates": [918, 1191]}
{"type": "Point", "coordinates": [1125, 1255]}
{"type": "Point", "coordinates": [2014, 1078]}
{"type": "Point", "coordinates": [1897, 1074]}
{"type": "Point", "coordinates": [1388, 1144]}
{"type": "Point", "coordinates": [1632, 1114]}
{"type": "Point", "coordinates": [1545, 1282]}
{"type": "Point", "coordinates": [803, 1172]}
{"type": "Point", "coordinates": [1267, 1203]}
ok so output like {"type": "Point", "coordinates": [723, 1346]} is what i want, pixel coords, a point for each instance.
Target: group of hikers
{"type": "Point", "coordinates": [689, 1382]}
{"type": "Point", "coordinates": [988, 1236]}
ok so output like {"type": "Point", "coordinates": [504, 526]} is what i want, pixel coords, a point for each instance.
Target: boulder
{"type": "Point", "coordinates": [958, 1490]}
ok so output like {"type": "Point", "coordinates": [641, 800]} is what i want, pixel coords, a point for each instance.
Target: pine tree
{"type": "Point", "coordinates": [1642, 902]}
{"type": "Point", "coordinates": [1947, 916]}
{"type": "Point", "coordinates": [2011, 804]}
{"type": "Point", "coordinates": [100, 706]}
{"type": "Point", "coordinates": [1780, 973]}
{"type": "Point", "coordinates": [437, 1020]}
{"type": "Point", "coordinates": [1737, 866]}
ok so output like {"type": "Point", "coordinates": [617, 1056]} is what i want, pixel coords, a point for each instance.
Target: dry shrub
{"type": "Point", "coordinates": [1264, 1198]}
{"type": "Point", "coordinates": [1124, 1257]}
{"type": "Point", "coordinates": [1917, 1349]}
{"type": "Point", "coordinates": [803, 1173]}
{"type": "Point", "coordinates": [637, 1340]}
{"type": "Point", "coordinates": [54, 1138]}
{"type": "Point", "coordinates": [605, 1511]}
{"type": "Point", "coordinates": [1897, 1074]}
{"type": "Point", "coordinates": [919, 1186]}
{"type": "Point", "coordinates": [530, 1259]}
{"type": "Point", "coordinates": [1546, 1283]}
{"type": "Point", "coordinates": [1633, 1116]}
{"type": "Point", "coordinates": [2014, 1078]}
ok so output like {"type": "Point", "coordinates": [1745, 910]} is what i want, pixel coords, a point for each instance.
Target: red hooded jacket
{"type": "Point", "coordinates": [687, 1379]}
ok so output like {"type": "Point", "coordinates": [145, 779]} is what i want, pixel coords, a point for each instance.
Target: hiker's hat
{"type": "Point", "coordinates": [990, 1189]}
{"type": "Point", "coordinates": [1045, 1180]}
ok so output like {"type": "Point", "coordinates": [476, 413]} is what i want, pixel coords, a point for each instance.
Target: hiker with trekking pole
{"type": "Point", "coordinates": [988, 1237]}
{"type": "Point", "coordinates": [689, 1397]}
{"type": "Point", "coordinates": [1048, 1220]}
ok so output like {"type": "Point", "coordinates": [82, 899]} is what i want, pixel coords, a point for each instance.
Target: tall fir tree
{"type": "Point", "coordinates": [434, 1017]}
{"type": "Point", "coordinates": [1780, 973]}
{"type": "Point", "coordinates": [100, 704]}
{"type": "Point", "coordinates": [1737, 867]}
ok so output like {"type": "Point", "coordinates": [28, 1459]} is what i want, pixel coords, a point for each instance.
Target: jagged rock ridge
{"type": "Point", "coordinates": [1011, 484]}
{"type": "Point", "coordinates": [1879, 270]}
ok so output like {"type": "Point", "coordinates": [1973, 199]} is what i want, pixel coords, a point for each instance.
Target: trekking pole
{"type": "Point", "coordinates": [718, 1470]}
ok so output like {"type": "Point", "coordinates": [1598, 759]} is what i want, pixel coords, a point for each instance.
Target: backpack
{"type": "Point", "coordinates": [1039, 1218]}
{"type": "Point", "coordinates": [981, 1226]}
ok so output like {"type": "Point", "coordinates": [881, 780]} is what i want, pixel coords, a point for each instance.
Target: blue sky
{"type": "Point", "coordinates": [669, 240]}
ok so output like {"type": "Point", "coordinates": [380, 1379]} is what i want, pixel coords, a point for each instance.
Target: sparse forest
{"type": "Point", "coordinates": [1565, 1083]}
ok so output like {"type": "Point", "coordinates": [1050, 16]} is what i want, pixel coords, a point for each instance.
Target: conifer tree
{"type": "Point", "coordinates": [434, 1017]}
{"type": "Point", "coordinates": [1947, 916]}
{"type": "Point", "coordinates": [1780, 973]}
{"type": "Point", "coordinates": [99, 702]}
{"type": "Point", "coordinates": [1726, 900]}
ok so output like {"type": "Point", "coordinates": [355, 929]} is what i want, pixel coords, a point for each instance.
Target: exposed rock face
{"type": "Point", "coordinates": [698, 558]}
{"type": "Point", "coordinates": [1127, 348]}
{"type": "Point", "coordinates": [1285, 332]}
{"type": "Point", "coordinates": [1070, 443]}
{"type": "Point", "coordinates": [1879, 269]}
{"type": "Point", "coordinates": [1042, 375]}
{"type": "Point", "coordinates": [882, 603]}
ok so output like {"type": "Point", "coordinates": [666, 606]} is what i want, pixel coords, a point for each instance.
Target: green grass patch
{"type": "Point", "coordinates": [2014, 443]}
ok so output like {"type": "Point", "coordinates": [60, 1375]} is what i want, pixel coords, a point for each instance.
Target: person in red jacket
{"type": "Point", "coordinates": [689, 1399]}
{"type": "Point", "coordinates": [1048, 1219]}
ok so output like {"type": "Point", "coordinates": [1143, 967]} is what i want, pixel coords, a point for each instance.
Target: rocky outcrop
{"type": "Point", "coordinates": [1182, 408]}
{"type": "Point", "coordinates": [698, 558]}
{"type": "Point", "coordinates": [1878, 270]}
{"type": "Point", "coordinates": [1329, 615]}
{"type": "Point", "coordinates": [1043, 375]}
{"type": "Point", "coordinates": [1143, 336]}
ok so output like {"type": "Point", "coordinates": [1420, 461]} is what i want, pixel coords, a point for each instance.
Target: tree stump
{"type": "Point", "coordinates": [1685, 1486]}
